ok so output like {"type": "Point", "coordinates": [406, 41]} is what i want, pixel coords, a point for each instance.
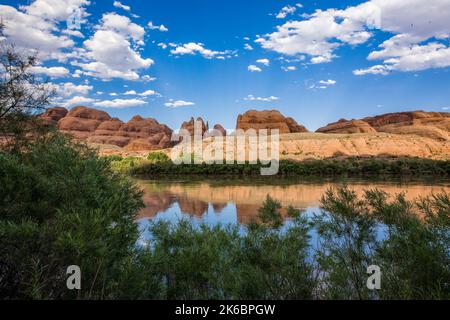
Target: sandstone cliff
{"type": "Point", "coordinates": [268, 119]}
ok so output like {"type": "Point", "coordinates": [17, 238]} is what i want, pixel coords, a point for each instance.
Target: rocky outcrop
{"type": "Point", "coordinates": [435, 125]}
{"type": "Point", "coordinates": [220, 129]}
{"type": "Point", "coordinates": [81, 122]}
{"type": "Point", "coordinates": [347, 126]}
{"type": "Point", "coordinates": [268, 119]}
{"type": "Point", "coordinates": [51, 116]}
{"type": "Point", "coordinates": [190, 125]}
{"type": "Point", "coordinates": [95, 126]}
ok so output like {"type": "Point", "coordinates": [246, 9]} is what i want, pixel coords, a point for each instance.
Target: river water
{"type": "Point", "coordinates": [237, 201]}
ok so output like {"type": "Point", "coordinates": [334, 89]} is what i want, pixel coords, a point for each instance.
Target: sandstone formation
{"type": "Point", "coordinates": [221, 129]}
{"type": "Point", "coordinates": [51, 116]}
{"type": "Point", "coordinates": [190, 125]}
{"type": "Point", "coordinates": [434, 125]}
{"type": "Point", "coordinates": [95, 126]}
{"type": "Point", "coordinates": [268, 119]}
{"type": "Point", "coordinates": [347, 126]}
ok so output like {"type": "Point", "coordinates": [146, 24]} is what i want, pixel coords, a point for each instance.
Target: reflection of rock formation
{"type": "Point", "coordinates": [193, 207]}
{"type": "Point", "coordinates": [194, 199]}
{"type": "Point", "coordinates": [218, 207]}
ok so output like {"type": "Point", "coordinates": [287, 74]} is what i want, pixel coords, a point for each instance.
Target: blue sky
{"type": "Point", "coordinates": [309, 59]}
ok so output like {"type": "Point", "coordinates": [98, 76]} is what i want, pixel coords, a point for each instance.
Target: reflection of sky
{"type": "Point", "coordinates": [227, 216]}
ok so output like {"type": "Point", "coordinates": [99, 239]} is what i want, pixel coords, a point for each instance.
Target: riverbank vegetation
{"type": "Point", "coordinates": [160, 165]}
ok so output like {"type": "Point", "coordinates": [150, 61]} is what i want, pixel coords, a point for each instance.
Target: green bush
{"type": "Point", "coordinates": [61, 205]}
{"type": "Point", "coordinates": [155, 157]}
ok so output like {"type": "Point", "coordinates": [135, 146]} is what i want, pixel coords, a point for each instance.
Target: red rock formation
{"type": "Point", "coordinates": [51, 116]}
{"type": "Point", "coordinates": [347, 126]}
{"type": "Point", "coordinates": [81, 122]}
{"type": "Point", "coordinates": [97, 126]}
{"type": "Point", "coordinates": [268, 119]}
{"type": "Point", "coordinates": [435, 125]}
{"type": "Point", "coordinates": [221, 129]}
{"type": "Point", "coordinates": [190, 125]}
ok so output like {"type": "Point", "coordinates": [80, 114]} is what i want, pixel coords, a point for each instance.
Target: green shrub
{"type": "Point", "coordinates": [155, 157]}
{"type": "Point", "coordinates": [62, 205]}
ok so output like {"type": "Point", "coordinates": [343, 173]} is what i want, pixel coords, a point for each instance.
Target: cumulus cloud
{"type": "Point", "coordinates": [193, 48]}
{"type": "Point", "coordinates": [378, 69]}
{"type": "Point", "coordinates": [253, 68]}
{"type": "Point", "coordinates": [161, 28]}
{"type": "Point", "coordinates": [419, 29]}
{"type": "Point", "coordinates": [265, 62]}
{"type": "Point", "coordinates": [248, 47]}
{"type": "Point", "coordinates": [120, 103]}
{"type": "Point", "coordinates": [178, 103]}
{"type": "Point", "coordinates": [142, 94]}
{"type": "Point", "coordinates": [287, 10]}
{"type": "Point", "coordinates": [77, 100]}
{"type": "Point", "coordinates": [251, 97]}
{"type": "Point", "coordinates": [323, 84]}
{"type": "Point", "coordinates": [52, 72]}
{"type": "Point", "coordinates": [118, 4]}
{"type": "Point", "coordinates": [68, 89]}
{"type": "Point", "coordinates": [110, 51]}
{"type": "Point", "coordinates": [327, 82]}
{"type": "Point", "coordinates": [289, 68]}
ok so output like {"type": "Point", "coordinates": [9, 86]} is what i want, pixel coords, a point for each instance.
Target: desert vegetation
{"type": "Point", "coordinates": [137, 166]}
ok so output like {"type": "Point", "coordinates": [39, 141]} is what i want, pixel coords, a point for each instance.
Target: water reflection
{"type": "Point", "coordinates": [226, 202]}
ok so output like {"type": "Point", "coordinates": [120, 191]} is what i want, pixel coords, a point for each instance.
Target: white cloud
{"type": "Point", "coordinates": [148, 78]}
{"type": "Point", "coordinates": [420, 32]}
{"type": "Point", "coordinates": [265, 62]}
{"type": "Point", "coordinates": [251, 97]}
{"type": "Point", "coordinates": [289, 68]}
{"type": "Point", "coordinates": [327, 82]}
{"type": "Point", "coordinates": [33, 32]}
{"type": "Point", "coordinates": [123, 26]}
{"type": "Point", "coordinates": [287, 10]}
{"type": "Point", "coordinates": [59, 10]}
{"type": "Point", "coordinates": [118, 4]}
{"type": "Point", "coordinates": [110, 52]}
{"type": "Point", "coordinates": [77, 100]}
{"type": "Point", "coordinates": [142, 94]}
{"type": "Point", "coordinates": [148, 93]}
{"type": "Point", "coordinates": [161, 28]}
{"type": "Point", "coordinates": [378, 69]}
{"type": "Point", "coordinates": [53, 72]}
{"type": "Point", "coordinates": [69, 89]}
{"type": "Point", "coordinates": [193, 48]}
{"type": "Point", "coordinates": [248, 47]}
{"type": "Point", "coordinates": [322, 84]}
{"type": "Point", "coordinates": [178, 103]}
{"type": "Point", "coordinates": [253, 68]}
{"type": "Point", "coordinates": [120, 103]}
{"type": "Point", "coordinates": [162, 45]}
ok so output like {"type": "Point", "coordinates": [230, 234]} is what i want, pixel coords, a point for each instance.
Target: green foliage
{"type": "Point", "coordinates": [348, 167]}
{"type": "Point", "coordinates": [62, 205]}
{"type": "Point", "coordinates": [269, 213]}
{"type": "Point", "coordinates": [413, 252]}
{"type": "Point", "coordinates": [155, 157]}
{"type": "Point", "coordinates": [188, 262]}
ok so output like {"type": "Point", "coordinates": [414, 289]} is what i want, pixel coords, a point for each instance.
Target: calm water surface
{"type": "Point", "coordinates": [237, 201]}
